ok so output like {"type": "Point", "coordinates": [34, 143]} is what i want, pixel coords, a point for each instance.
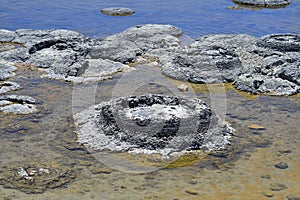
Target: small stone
{"type": "Point", "coordinates": [256, 127]}
{"type": "Point", "coordinates": [268, 194]}
{"type": "Point", "coordinates": [265, 176]}
{"type": "Point", "coordinates": [117, 11]}
{"type": "Point", "coordinates": [281, 165]}
{"type": "Point", "coordinates": [278, 187]}
{"type": "Point", "coordinates": [101, 171]}
{"type": "Point", "coordinates": [285, 151]}
{"type": "Point", "coordinates": [183, 88]}
{"type": "Point", "coordinates": [293, 197]}
{"type": "Point", "coordinates": [192, 192]}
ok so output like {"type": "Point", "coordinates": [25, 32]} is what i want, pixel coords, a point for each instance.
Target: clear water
{"type": "Point", "coordinates": [195, 18]}
{"type": "Point", "coordinates": [48, 136]}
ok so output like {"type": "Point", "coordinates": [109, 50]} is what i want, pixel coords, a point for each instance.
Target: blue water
{"type": "Point", "coordinates": [195, 18]}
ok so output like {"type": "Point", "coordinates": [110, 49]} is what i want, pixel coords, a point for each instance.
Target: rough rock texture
{"type": "Point", "coordinates": [16, 104]}
{"type": "Point", "coordinates": [209, 59]}
{"type": "Point", "coordinates": [118, 11]}
{"type": "Point", "coordinates": [126, 46]}
{"type": "Point", "coordinates": [257, 65]}
{"type": "Point", "coordinates": [34, 177]}
{"type": "Point", "coordinates": [264, 3]}
{"type": "Point", "coordinates": [271, 65]}
{"type": "Point", "coordinates": [8, 86]}
{"type": "Point", "coordinates": [7, 36]}
{"type": "Point", "coordinates": [6, 70]}
{"type": "Point", "coordinates": [152, 122]}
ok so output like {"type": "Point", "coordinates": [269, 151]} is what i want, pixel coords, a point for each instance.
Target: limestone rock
{"type": "Point", "coordinates": [152, 122]}
{"type": "Point", "coordinates": [6, 70]}
{"type": "Point", "coordinates": [8, 86]}
{"type": "Point", "coordinates": [6, 35]}
{"type": "Point", "coordinates": [17, 104]}
{"type": "Point", "coordinates": [264, 3]}
{"type": "Point", "coordinates": [124, 47]}
{"type": "Point", "coordinates": [117, 11]}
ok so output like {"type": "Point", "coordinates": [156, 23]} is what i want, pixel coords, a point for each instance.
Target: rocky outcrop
{"type": "Point", "coordinates": [257, 65]}
{"type": "Point", "coordinates": [117, 11]}
{"type": "Point", "coordinates": [264, 3]}
{"type": "Point", "coordinates": [152, 122]}
{"type": "Point", "coordinates": [271, 65]}
{"type": "Point", "coordinates": [126, 46]}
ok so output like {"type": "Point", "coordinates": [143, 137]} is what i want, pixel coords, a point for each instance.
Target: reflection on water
{"type": "Point", "coordinates": [246, 172]}
{"type": "Point", "coordinates": [195, 18]}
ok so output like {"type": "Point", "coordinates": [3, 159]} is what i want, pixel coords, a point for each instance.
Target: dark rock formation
{"type": "Point", "coordinates": [117, 11]}
{"type": "Point", "coordinates": [152, 122]}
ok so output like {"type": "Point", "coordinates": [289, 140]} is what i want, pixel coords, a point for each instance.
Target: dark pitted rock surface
{"type": "Point", "coordinates": [152, 122]}
{"type": "Point", "coordinates": [33, 177]}
{"type": "Point", "coordinates": [271, 66]}
{"type": "Point", "coordinates": [264, 3]}
{"type": "Point", "coordinates": [117, 11]}
{"type": "Point", "coordinates": [16, 104]}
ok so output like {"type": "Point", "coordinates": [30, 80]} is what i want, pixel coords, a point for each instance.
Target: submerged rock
{"type": "Point", "coordinates": [158, 123]}
{"type": "Point", "coordinates": [117, 11]}
{"type": "Point", "coordinates": [34, 177]}
{"type": "Point", "coordinates": [264, 3]}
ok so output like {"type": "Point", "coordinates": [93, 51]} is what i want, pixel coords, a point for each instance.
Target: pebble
{"type": "Point", "coordinates": [278, 187]}
{"type": "Point", "coordinates": [256, 127]}
{"type": "Point", "coordinates": [293, 197]}
{"type": "Point", "coordinates": [192, 192]}
{"type": "Point", "coordinates": [281, 165]}
{"type": "Point", "coordinates": [268, 194]}
{"type": "Point", "coordinates": [285, 151]}
{"type": "Point", "coordinates": [183, 88]}
{"type": "Point", "coordinates": [265, 176]}
{"type": "Point", "coordinates": [101, 171]}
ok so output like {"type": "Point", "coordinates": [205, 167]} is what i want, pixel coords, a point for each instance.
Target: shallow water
{"type": "Point", "coordinates": [48, 137]}
{"type": "Point", "coordinates": [195, 18]}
